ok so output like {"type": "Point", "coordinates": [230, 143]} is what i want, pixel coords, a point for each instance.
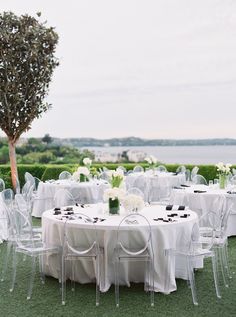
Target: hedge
{"type": "Point", "coordinates": [49, 171]}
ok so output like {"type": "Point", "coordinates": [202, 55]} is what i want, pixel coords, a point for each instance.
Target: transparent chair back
{"type": "Point", "coordinates": [194, 172]}
{"type": "Point", "coordinates": [7, 196]}
{"type": "Point", "coordinates": [161, 168]}
{"type": "Point", "coordinates": [37, 182]}
{"type": "Point", "coordinates": [2, 185]}
{"type": "Point", "coordinates": [181, 169]}
{"type": "Point", "coordinates": [138, 169]}
{"type": "Point", "coordinates": [122, 168]}
{"type": "Point", "coordinates": [134, 243]}
{"type": "Point", "coordinates": [135, 191]}
{"type": "Point", "coordinates": [63, 198]}
{"type": "Point", "coordinates": [199, 179]}
{"type": "Point", "coordinates": [142, 183]}
{"type": "Point", "coordinates": [17, 186]}
{"type": "Point", "coordinates": [104, 175]}
{"type": "Point", "coordinates": [65, 175]}
{"type": "Point", "coordinates": [81, 246]}
{"type": "Point", "coordinates": [30, 179]}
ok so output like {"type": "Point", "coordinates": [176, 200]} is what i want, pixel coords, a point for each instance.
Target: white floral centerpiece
{"type": "Point", "coordinates": [151, 160]}
{"type": "Point", "coordinates": [115, 193]}
{"type": "Point", "coordinates": [133, 203]}
{"type": "Point", "coordinates": [81, 174]}
{"type": "Point", "coordinates": [223, 172]}
{"type": "Point", "coordinates": [87, 162]}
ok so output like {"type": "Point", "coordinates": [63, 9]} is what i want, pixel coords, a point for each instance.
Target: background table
{"type": "Point", "coordinates": [186, 196]}
{"type": "Point", "coordinates": [154, 186]}
{"type": "Point", "coordinates": [164, 235]}
{"type": "Point", "coordinates": [87, 192]}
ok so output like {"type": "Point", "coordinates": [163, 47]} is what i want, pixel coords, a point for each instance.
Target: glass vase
{"type": "Point", "coordinates": [222, 181]}
{"type": "Point", "coordinates": [114, 206]}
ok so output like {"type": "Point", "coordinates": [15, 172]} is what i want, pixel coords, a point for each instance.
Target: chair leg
{"type": "Point", "coordinates": [192, 281]}
{"type": "Point", "coordinates": [215, 274]}
{"type": "Point", "coordinates": [63, 281]}
{"type": "Point", "coordinates": [219, 250]}
{"type": "Point", "coordinates": [117, 275]}
{"type": "Point", "coordinates": [14, 265]}
{"type": "Point", "coordinates": [226, 261]}
{"type": "Point", "coordinates": [151, 272]}
{"type": "Point", "coordinates": [72, 280]}
{"type": "Point", "coordinates": [31, 280]}
{"type": "Point", "coordinates": [42, 276]}
{"type": "Point", "coordinates": [4, 270]}
{"type": "Point", "coordinates": [97, 273]}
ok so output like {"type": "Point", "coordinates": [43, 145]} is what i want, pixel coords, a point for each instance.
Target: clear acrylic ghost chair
{"type": "Point", "coordinates": [135, 191]}
{"type": "Point", "coordinates": [142, 183]}
{"type": "Point", "coordinates": [199, 179]}
{"type": "Point", "coordinates": [63, 198]}
{"type": "Point", "coordinates": [122, 168]}
{"type": "Point", "coordinates": [65, 175]}
{"type": "Point", "coordinates": [181, 169]}
{"type": "Point", "coordinates": [126, 251]}
{"type": "Point", "coordinates": [194, 172]}
{"type": "Point", "coordinates": [104, 175]}
{"type": "Point", "coordinates": [80, 249]}
{"type": "Point", "coordinates": [193, 251]}
{"type": "Point", "coordinates": [161, 168]}
{"type": "Point", "coordinates": [2, 185]}
{"type": "Point", "coordinates": [138, 169]}
{"type": "Point", "coordinates": [28, 194]}
{"type": "Point", "coordinates": [234, 171]}
{"type": "Point", "coordinates": [216, 225]}
{"type": "Point", "coordinates": [188, 175]}
{"type": "Point", "coordinates": [25, 208]}
{"type": "Point", "coordinates": [233, 180]}
{"type": "Point", "coordinates": [29, 246]}
{"type": "Point", "coordinates": [8, 199]}
{"type": "Point", "coordinates": [30, 179]}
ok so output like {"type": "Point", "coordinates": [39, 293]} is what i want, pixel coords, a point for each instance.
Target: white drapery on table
{"type": "Point", "coordinates": [187, 196]}
{"type": "Point", "coordinates": [86, 193]}
{"type": "Point", "coordinates": [165, 236]}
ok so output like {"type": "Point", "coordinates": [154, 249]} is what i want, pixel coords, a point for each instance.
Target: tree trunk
{"type": "Point", "coordinates": [12, 155]}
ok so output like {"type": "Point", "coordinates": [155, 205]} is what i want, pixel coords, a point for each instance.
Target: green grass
{"type": "Point", "coordinates": [134, 301]}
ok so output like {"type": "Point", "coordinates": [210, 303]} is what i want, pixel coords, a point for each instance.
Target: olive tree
{"type": "Point", "coordinates": [27, 62]}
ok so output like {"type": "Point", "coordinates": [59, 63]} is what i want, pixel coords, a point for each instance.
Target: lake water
{"type": "Point", "coordinates": [181, 154]}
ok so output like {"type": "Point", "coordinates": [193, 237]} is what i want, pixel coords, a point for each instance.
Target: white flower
{"type": "Point", "coordinates": [87, 161]}
{"type": "Point", "coordinates": [83, 170]}
{"type": "Point", "coordinates": [133, 203]}
{"type": "Point", "coordinates": [148, 159]}
{"type": "Point", "coordinates": [113, 193]}
{"type": "Point", "coordinates": [223, 168]}
{"type": "Point", "coordinates": [75, 176]}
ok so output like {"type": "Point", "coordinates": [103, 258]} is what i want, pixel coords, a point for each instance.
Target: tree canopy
{"type": "Point", "coordinates": [27, 62]}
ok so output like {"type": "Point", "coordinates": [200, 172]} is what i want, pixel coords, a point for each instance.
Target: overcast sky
{"type": "Point", "coordinates": [146, 68]}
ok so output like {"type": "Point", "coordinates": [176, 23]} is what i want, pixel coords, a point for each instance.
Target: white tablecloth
{"type": "Point", "coordinates": [164, 235]}
{"type": "Point", "coordinates": [86, 193]}
{"type": "Point", "coordinates": [154, 186]}
{"type": "Point", "coordinates": [186, 196]}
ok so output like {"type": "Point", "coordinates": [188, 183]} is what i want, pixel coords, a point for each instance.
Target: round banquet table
{"type": "Point", "coordinates": [165, 235]}
{"type": "Point", "coordinates": [154, 185]}
{"type": "Point", "coordinates": [86, 193]}
{"type": "Point", "coordinates": [206, 200]}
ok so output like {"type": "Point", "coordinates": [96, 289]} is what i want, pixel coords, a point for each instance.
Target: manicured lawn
{"type": "Point", "coordinates": [134, 301]}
